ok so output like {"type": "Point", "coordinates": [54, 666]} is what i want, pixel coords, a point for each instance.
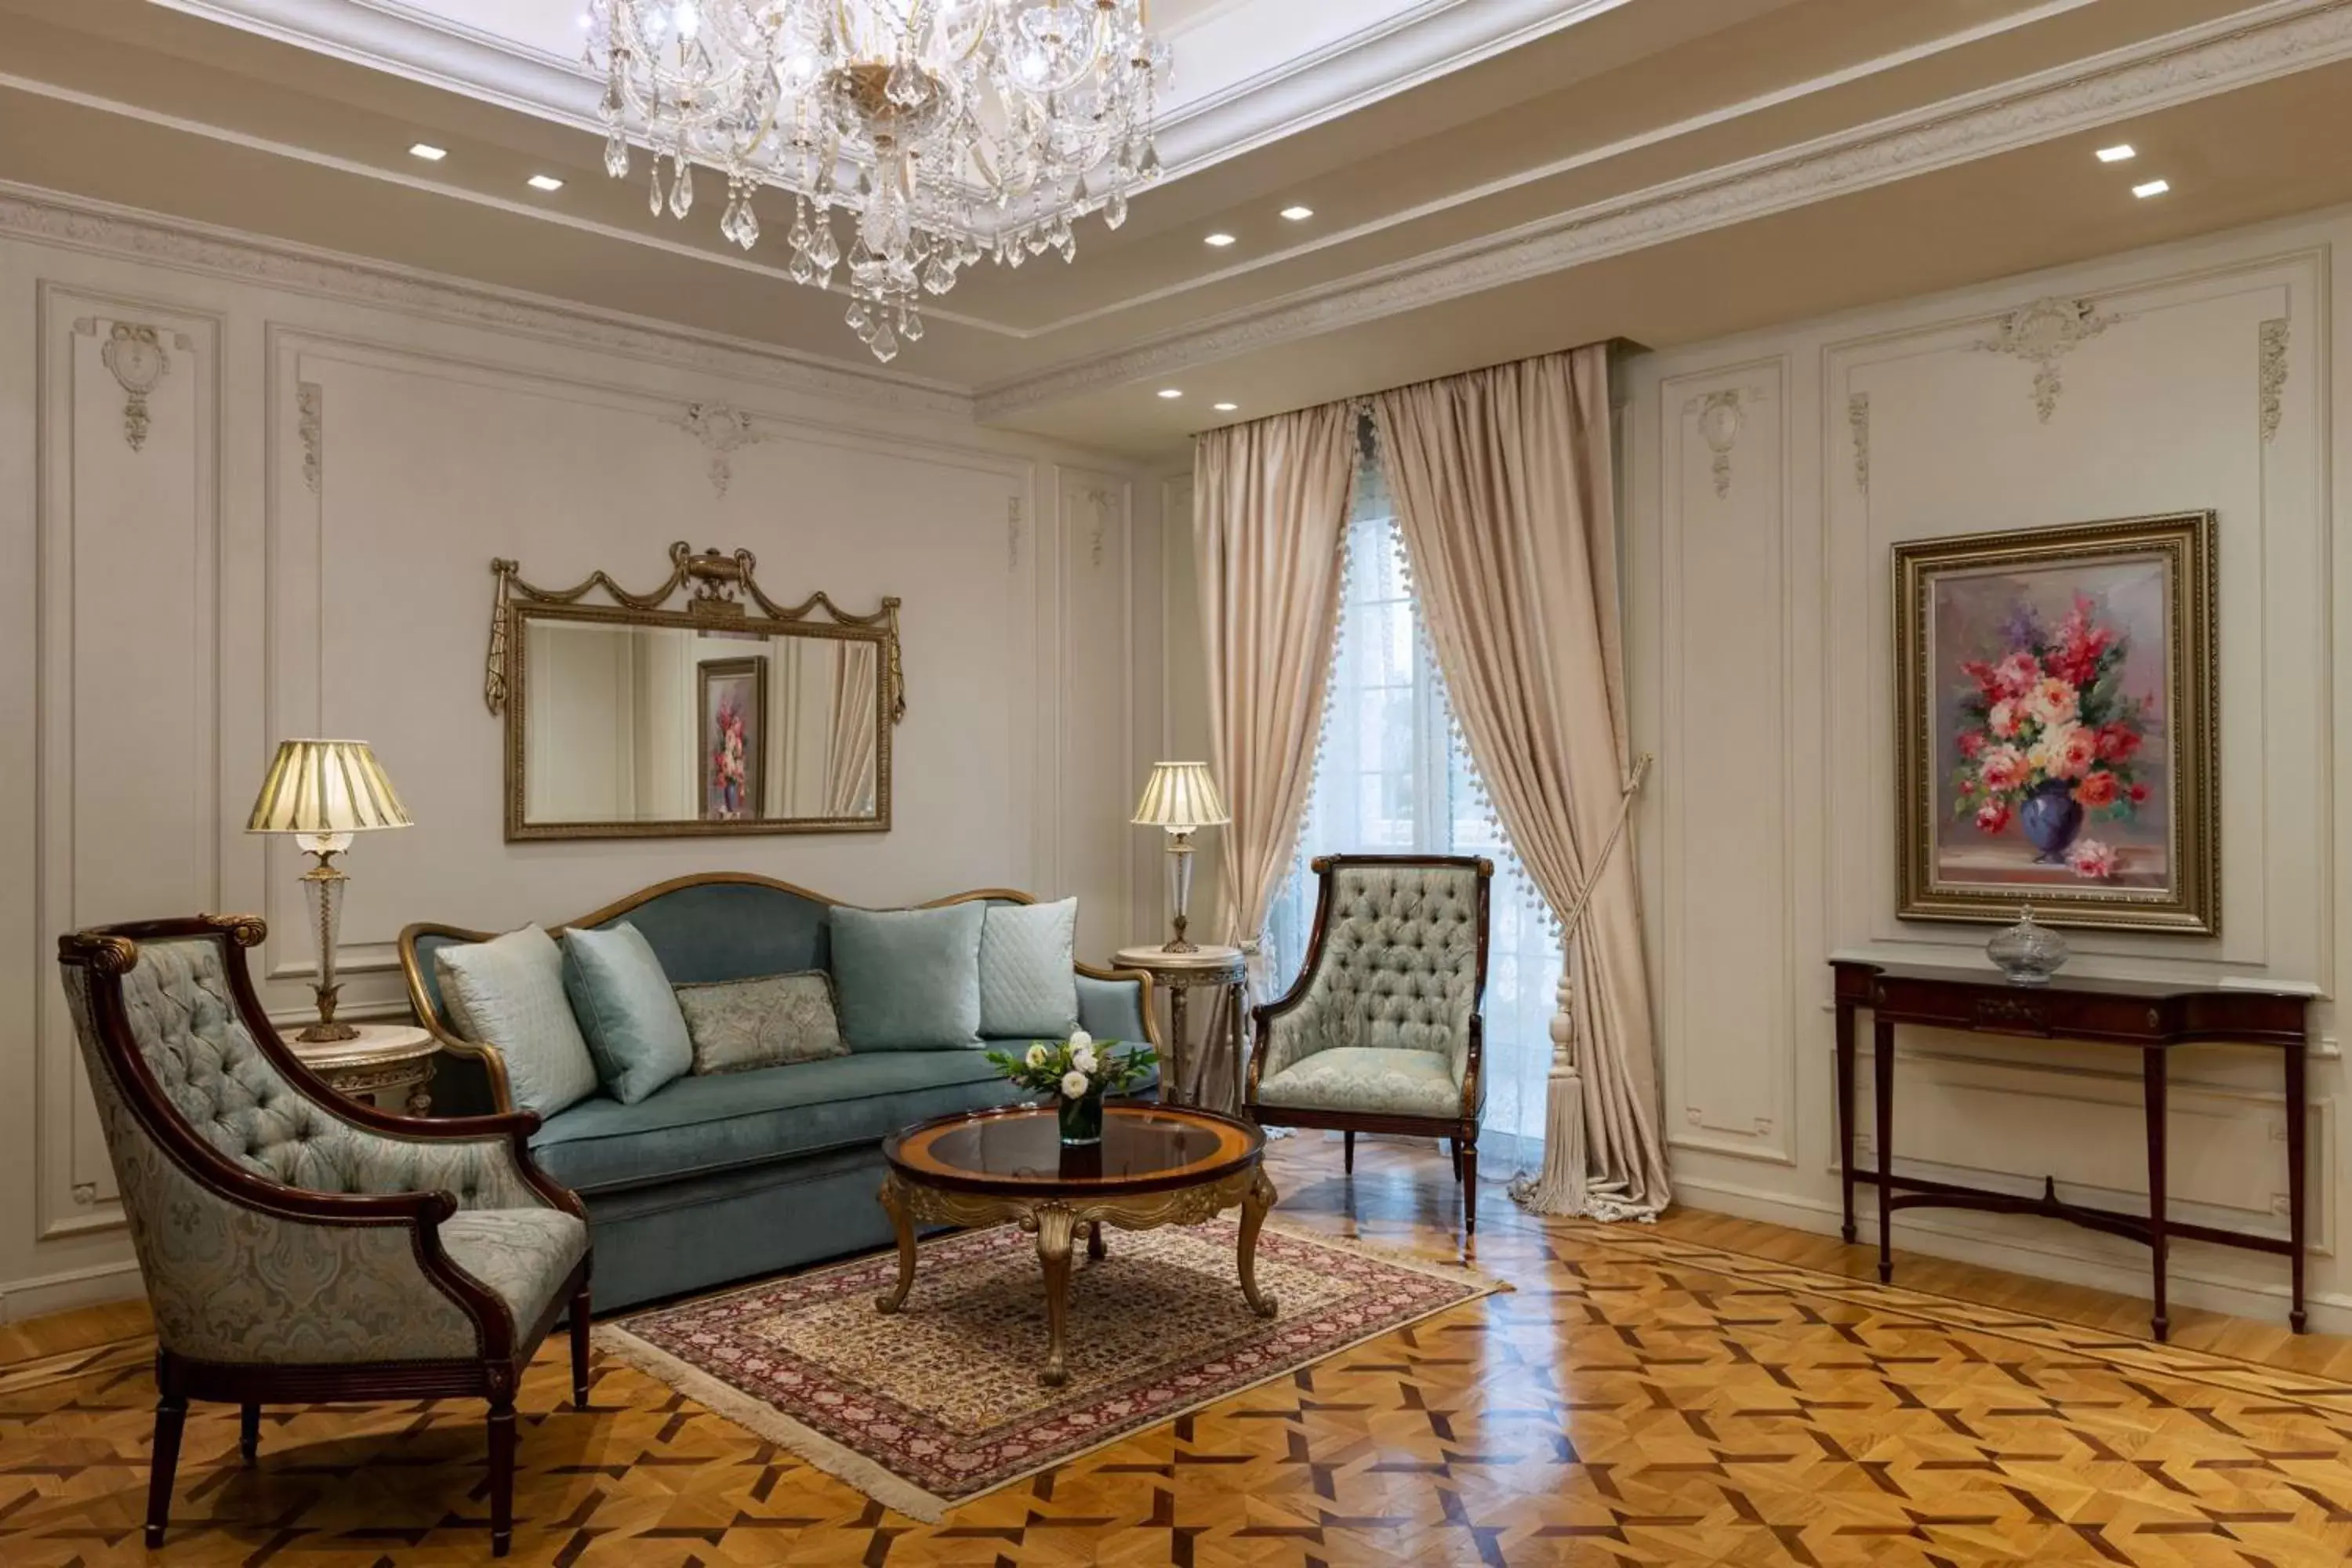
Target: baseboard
{"type": "Point", "coordinates": [2331, 1312]}
{"type": "Point", "coordinates": [63, 1292]}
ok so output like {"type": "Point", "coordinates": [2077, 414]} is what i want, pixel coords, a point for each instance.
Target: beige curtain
{"type": "Point", "coordinates": [1506, 498]}
{"type": "Point", "coordinates": [853, 742]}
{"type": "Point", "coordinates": [1269, 517]}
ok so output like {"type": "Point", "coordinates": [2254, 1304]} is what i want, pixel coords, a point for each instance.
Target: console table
{"type": "Point", "coordinates": [2151, 1017]}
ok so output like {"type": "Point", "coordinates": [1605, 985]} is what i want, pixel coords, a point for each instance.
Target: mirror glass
{"type": "Point", "coordinates": [624, 728]}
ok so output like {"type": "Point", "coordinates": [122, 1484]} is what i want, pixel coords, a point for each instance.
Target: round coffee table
{"type": "Point", "coordinates": [1156, 1165]}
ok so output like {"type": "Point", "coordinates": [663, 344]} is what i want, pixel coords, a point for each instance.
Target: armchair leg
{"type": "Point", "coordinates": [502, 1456]}
{"type": "Point", "coordinates": [1467, 1160]}
{"type": "Point", "coordinates": [580, 1348]}
{"type": "Point", "coordinates": [171, 1415]}
{"type": "Point", "coordinates": [248, 1434]}
{"type": "Point", "coordinates": [1349, 1157]}
{"type": "Point", "coordinates": [1453, 1148]}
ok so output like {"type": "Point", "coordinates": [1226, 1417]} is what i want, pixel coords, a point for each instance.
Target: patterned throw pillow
{"type": "Point", "coordinates": [739, 1024]}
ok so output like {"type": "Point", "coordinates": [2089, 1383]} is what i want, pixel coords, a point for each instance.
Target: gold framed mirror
{"type": "Point", "coordinates": [729, 714]}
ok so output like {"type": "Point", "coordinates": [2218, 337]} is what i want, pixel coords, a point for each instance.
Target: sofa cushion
{"type": "Point", "coordinates": [698, 1125]}
{"type": "Point", "coordinates": [627, 1013]}
{"type": "Point", "coordinates": [1028, 986]}
{"type": "Point", "coordinates": [508, 992]}
{"type": "Point", "coordinates": [908, 980]}
{"type": "Point", "coordinates": [769, 1021]}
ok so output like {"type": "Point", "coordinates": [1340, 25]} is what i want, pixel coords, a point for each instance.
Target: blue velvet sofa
{"type": "Point", "coordinates": [731, 1176]}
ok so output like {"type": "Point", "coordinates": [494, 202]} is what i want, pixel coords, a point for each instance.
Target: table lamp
{"type": "Point", "coordinates": [323, 792]}
{"type": "Point", "coordinates": [1182, 798]}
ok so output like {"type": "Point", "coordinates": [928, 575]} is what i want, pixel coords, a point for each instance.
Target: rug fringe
{"type": "Point", "coordinates": [763, 1419]}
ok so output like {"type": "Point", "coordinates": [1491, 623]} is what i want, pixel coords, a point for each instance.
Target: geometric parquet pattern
{"type": "Point", "coordinates": [1644, 1396]}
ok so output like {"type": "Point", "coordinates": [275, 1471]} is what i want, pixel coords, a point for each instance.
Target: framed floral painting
{"type": "Point", "coordinates": [2055, 726]}
{"type": "Point", "coordinates": [734, 737]}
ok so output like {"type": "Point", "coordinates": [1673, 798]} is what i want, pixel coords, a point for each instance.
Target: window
{"type": "Point", "coordinates": [1395, 776]}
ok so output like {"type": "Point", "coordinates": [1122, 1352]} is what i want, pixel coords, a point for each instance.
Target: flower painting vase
{"type": "Point", "coordinates": [1082, 1120]}
{"type": "Point", "coordinates": [2050, 817]}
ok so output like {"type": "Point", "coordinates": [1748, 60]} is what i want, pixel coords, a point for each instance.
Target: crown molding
{"type": "Point", "coordinates": [1358, 65]}
{"type": "Point", "coordinates": [2261, 44]}
{"type": "Point", "coordinates": [77, 222]}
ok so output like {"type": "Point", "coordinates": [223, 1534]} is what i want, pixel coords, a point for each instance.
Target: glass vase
{"type": "Point", "coordinates": [1082, 1120]}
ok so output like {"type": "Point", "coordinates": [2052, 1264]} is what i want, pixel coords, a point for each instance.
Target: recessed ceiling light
{"type": "Point", "coordinates": [2121, 151]}
{"type": "Point", "coordinates": [1298, 214]}
{"type": "Point", "coordinates": [1171, 391]}
{"type": "Point", "coordinates": [1224, 407]}
{"type": "Point", "coordinates": [1221, 240]}
{"type": "Point", "coordinates": [429, 152]}
{"type": "Point", "coordinates": [545, 183]}
{"type": "Point", "coordinates": [2153, 188]}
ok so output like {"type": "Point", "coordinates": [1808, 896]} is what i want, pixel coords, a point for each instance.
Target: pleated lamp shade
{"type": "Point", "coordinates": [325, 787]}
{"type": "Point", "coordinates": [1181, 794]}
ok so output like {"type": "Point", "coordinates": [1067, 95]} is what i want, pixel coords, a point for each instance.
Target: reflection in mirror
{"type": "Point", "coordinates": [697, 724]}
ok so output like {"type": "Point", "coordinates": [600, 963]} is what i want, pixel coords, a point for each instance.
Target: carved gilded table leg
{"type": "Point", "coordinates": [894, 1204]}
{"type": "Point", "coordinates": [1055, 1226]}
{"type": "Point", "coordinates": [1261, 1198]}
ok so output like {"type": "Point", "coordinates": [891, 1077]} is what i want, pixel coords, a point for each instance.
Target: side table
{"type": "Point", "coordinates": [1213, 1081]}
{"type": "Point", "coordinates": [384, 1057]}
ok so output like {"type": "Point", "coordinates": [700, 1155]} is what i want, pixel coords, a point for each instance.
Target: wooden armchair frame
{"type": "Point", "coordinates": [1461, 1131]}
{"type": "Point", "coordinates": [504, 1346]}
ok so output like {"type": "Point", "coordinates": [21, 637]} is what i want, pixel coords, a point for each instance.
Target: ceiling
{"type": "Point", "coordinates": [1489, 178]}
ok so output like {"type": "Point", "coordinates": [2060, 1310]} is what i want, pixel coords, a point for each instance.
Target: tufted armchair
{"type": "Point", "coordinates": [1382, 1033]}
{"type": "Point", "coordinates": [298, 1246]}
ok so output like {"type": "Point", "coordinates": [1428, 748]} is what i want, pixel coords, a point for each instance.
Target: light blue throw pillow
{"type": "Point", "coordinates": [1028, 978]}
{"type": "Point", "coordinates": [908, 980]}
{"type": "Point", "coordinates": [507, 993]}
{"type": "Point", "coordinates": [628, 1013]}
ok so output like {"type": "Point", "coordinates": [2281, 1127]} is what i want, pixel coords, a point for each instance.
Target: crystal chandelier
{"type": "Point", "coordinates": [946, 130]}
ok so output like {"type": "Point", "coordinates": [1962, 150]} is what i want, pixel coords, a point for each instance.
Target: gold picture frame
{"type": "Point", "coordinates": [2056, 720]}
{"type": "Point", "coordinates": [724, 601]}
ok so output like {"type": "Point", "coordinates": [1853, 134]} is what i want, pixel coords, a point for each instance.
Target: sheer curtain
{"type": "Point", "coordinates": [1393, 776]}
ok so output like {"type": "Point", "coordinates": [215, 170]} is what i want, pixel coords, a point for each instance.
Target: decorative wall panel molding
{"type": "Point", "coordinates": [723, 431]}
{"type": "Point", "coordinates": [126, 417]}
{"type": "Point", "coordinates": [1104, 505]}
{"type": "Point", "coordinates": [2274, 375]}
{"type": "Point", "coordinates": [1013, 533]}
{"type": "Point", "coordinates": [1722, 555]}
{"type": "Point", "coordinates": [2218, 57]}
{"type": "Point", "coordinates": [2042, 334]}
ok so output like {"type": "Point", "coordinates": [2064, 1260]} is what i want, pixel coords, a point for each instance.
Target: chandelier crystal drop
{"type": "Point", "coordinates": [942, 131]}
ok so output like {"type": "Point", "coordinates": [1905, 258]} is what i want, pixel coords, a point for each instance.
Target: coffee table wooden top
{"type": "Point", "coordinates": [1019, 1152]}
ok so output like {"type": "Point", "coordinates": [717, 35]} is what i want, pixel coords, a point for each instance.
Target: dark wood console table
{"type": "Point", "coordinates": [2148, 1016]}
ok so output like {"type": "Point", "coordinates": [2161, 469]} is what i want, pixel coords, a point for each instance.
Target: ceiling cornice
{"type": "Point", "coordinates": [80, 223]}
{"type": "Point", "coordinates": [1421, 42]}
{"type": "Point", "coordinates": [2258, 45]}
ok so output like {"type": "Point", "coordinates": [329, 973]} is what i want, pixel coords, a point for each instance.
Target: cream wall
{"type": "Point", "coordinates": [1759, 604]}
{"type": "Point", "coordinates": [300, 544]}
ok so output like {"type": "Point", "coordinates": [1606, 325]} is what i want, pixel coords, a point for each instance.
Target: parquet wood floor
{"type": "Point", "coordinates": [1710, 1391]}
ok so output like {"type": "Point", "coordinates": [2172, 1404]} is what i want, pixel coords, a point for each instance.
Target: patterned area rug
{"type": "Point", "coordinates": [939, 1402]}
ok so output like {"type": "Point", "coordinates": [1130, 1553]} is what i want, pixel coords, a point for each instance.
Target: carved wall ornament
{"type": "Point", "coordinates": [135, 356]}
{"type": "Point", "coordinates": [1106, 506]}
{"type": "Point", "coordinates": [308, 402]}
{"type": "Point", "coordinates": [1722, 416]}
{"type": "Point", "coordinates": [2273, 374]}
{"type": "Point", "coordinates": [1013, 533]}
{"type": "Point", "coordinates": [1857, 419]}
{"type": "Point", "coordinates": [2043, 333]}
{"type": "Point", "coordinates": [723, 431]}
